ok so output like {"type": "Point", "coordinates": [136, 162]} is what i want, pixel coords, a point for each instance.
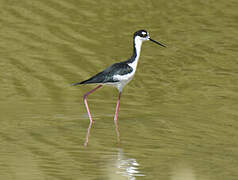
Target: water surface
{"type": "Point", "coordinates": [177, 119]}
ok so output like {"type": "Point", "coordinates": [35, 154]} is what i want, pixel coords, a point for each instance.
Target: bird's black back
{"type": "Point", "coordinates": [106, 76]}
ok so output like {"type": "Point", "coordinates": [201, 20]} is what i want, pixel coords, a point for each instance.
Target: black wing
{"type": "Point", "coordinates": [106, 76]}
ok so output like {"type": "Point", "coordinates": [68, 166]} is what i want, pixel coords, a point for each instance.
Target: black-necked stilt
{"type": "Point", "coordinates": [118, 74]}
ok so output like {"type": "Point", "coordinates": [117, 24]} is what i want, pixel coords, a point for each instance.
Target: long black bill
{"type": "Point", "coordinates": [157, 42]}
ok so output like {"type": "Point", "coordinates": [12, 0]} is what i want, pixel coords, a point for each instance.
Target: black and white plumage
{"type": "Point", "coordinates": [119, 74]}
{"type": "Point", "coordinates": [110, 76]}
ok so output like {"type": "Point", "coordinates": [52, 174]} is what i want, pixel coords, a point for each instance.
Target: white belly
{"type": "Point", "coordinates": [122, 80]}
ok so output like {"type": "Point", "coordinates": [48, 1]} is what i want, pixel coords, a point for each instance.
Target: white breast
{"type": "Point", "coordinates": [123, 80]}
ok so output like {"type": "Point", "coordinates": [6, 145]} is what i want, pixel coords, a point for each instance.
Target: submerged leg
{"type": "Point", "coordinates": [86, 103]}
{"type": "Point", "coordinates": [118, 132]}
{"type": "Point", "coordinates": [117, 108]}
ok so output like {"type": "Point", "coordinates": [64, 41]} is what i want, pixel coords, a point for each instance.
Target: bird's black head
{"type": "Point", "coordinates": [143, 35]}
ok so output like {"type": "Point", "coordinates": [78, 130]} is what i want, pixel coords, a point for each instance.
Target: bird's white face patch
{"type": "Point", "coordinates": [143, 33]}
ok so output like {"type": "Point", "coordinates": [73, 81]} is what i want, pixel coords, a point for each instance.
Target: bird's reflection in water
{"type": "Point", "coordinates": [117, 131]}
{"type": "Point", "coordinates": [89, 129]}
{"type": "Point", "coordinates": [124, 166]}
{"type": "Point", "coordinates": [87, 134]}
{"type": "Point", "coordinates": [127, 167]}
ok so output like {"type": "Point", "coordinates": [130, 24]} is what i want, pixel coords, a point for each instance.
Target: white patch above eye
{"type": "Point", "coordinates": [143, 33]}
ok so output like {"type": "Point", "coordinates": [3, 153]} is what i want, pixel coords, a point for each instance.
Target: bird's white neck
{"type": "Point", "coordinates": [138, 44]}
{"type": "Point", "coordinates": [136, 53]}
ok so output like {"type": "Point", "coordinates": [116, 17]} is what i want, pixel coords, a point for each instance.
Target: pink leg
{"type": "Point", "coordinates": [117, 108]}
{"type": "Point", "coordinates": [86, 103]}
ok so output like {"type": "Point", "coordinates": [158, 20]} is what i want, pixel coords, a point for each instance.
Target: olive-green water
{"type": "Point", "coordinates": [178, 117]}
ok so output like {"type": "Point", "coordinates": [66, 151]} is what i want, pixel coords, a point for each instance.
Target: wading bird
{"type": "Point", "coordinates": [118, 74]}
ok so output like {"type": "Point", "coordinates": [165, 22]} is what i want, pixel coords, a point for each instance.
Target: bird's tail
{"type": "Point", "coordinates": [75, 84]}
{"type": "Point", "coordinates": [88, 81]}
